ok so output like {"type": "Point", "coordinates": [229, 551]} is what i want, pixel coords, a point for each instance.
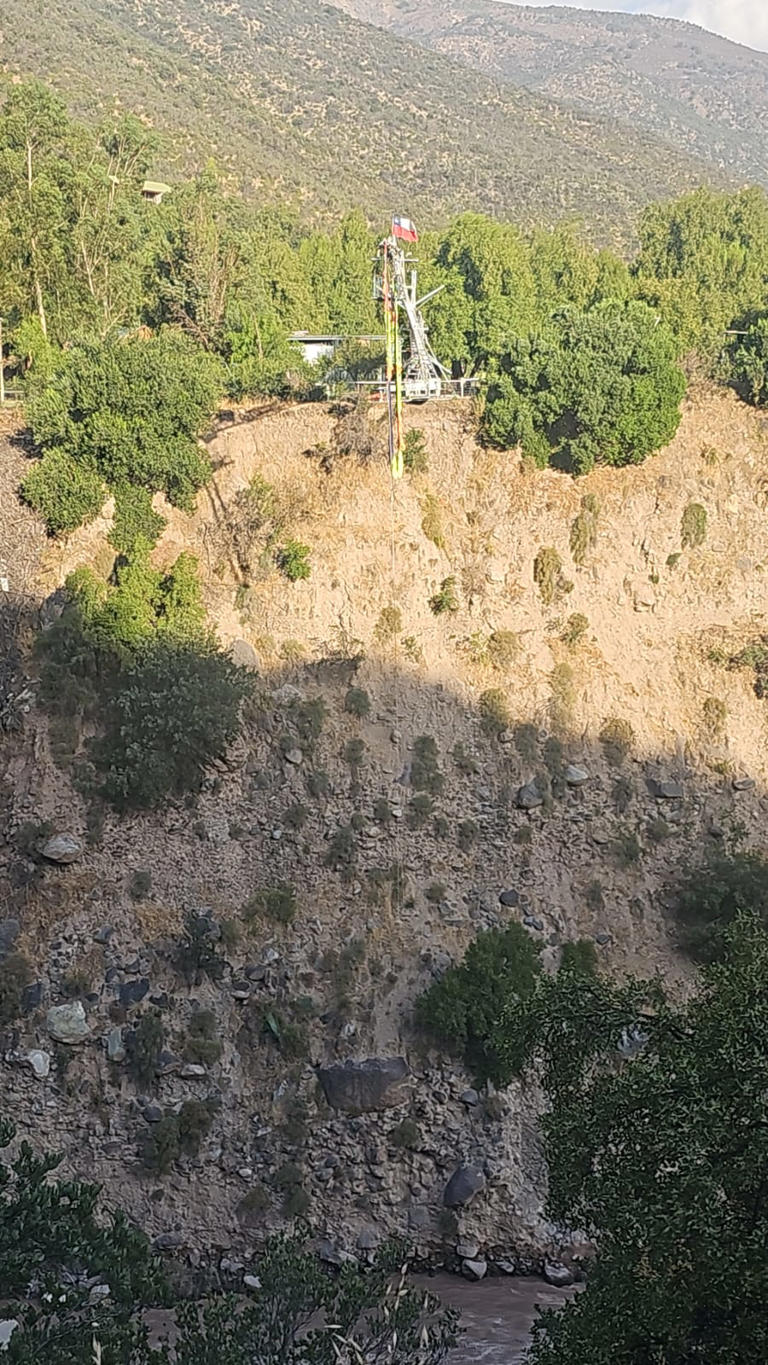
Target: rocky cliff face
{"type": "Point", "coordinates": [589, 744]}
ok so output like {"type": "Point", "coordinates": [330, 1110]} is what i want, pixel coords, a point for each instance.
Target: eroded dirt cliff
{"type": "Point", "coordinates": [634, 643]}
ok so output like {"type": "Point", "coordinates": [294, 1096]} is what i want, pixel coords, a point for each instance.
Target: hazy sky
{"type": "Point", "coordinates": [746, 21]}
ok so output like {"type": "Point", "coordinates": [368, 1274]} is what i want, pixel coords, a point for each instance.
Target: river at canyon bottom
{"type": "Point", "coordinates": [496, 1315]}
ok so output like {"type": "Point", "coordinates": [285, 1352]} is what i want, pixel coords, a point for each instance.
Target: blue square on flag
{"type": "Point", "coordinates": [404, 229]}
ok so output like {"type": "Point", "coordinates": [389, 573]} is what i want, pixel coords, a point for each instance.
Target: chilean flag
{"type": "Point", "coordinates": [403, 229]}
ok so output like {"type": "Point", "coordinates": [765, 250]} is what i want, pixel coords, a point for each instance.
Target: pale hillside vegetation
{"type": "Point", "coordinates": [298, 102]}
{"type": "Point", "coordinates": [674, 79]}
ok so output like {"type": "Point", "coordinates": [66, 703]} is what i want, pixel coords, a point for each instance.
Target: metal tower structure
{"type": "Point", "coordinates": [421, 376]}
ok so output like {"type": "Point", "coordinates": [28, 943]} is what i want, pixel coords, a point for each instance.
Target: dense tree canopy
{"type": "Point", "coordinates": [74, 231]}
{"type": "Point", "coordinates": [125, 412]}
{"type": "Point", "coordinates": [595, 387]}
{"type": "Point", "coordinates": [657, 1143]}
{"type": "Point", "coordinates": [703, 262]}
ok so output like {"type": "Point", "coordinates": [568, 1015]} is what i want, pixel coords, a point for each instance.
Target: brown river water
{"type": "Point", "coordinates": [496, 1315]}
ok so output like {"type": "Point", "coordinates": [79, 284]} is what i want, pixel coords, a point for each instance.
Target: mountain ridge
{"type": "Point", "coordinates": [298, 100]}
{"type": "Point", "coordinates": [673, 78]}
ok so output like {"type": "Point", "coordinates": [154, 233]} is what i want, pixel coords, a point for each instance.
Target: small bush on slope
{"type": "Point", "coordinates": [135, 658]}
{"type": "Point", "coordinates": [463, 1009]}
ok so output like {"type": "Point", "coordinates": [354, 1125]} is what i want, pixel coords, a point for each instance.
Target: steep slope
{"type": "Point", "coordinates": [296, 97]}
{"type": "Point", "coordinates": [673, 79]}
{"type": "Point", "coordinates": [383, 900]}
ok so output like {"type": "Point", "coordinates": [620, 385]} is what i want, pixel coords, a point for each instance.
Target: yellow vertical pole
{"type": "Point", "coordinates": [390, 341]}
{"type": "Point", "coordinates": [398, 467]}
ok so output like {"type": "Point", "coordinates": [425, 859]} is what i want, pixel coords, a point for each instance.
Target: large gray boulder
{"type": "Point", "coordinates": [361, 1087]}
{"type": "Point", "coordinates": [67, 1023]}
{"type": "Point", "coordinates": [529, 797]}
{"type": "Point", "coordinates": [558, 1274]}
{"type": "Point", "coordinates": [62, 848]}
{"type": "Point", "coordinates": [666, 790]}
{"type": "Point", "coordinates": [9, 932]}
{"type": "Point", "coordinates": [464, 1184]}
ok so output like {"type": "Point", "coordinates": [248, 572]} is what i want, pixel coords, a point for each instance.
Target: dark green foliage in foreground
{"type": "Point", "coordinates": [353, 1317]}
{"type": "Point", "coordinates": [662, 1158]}
{"type": "Point", "coordinates": [48, 1226]}
{"type": "Point", "coordinates": [463, 1009]}
{"type": "Point", "coordinates": [595, 387]}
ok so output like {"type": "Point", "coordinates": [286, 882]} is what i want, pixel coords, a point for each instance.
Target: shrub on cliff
{"type": "Point", "coordinates": [596, 387]}
{"type": "Point", "coordinates": [748, 358]}
{"type": "Point", "coordinates": [462, 1010]}
{"type": "Point", "coordinates": [15, 974]}
{"type": "Point", "coordinates": [134, 658]}
{"type": "Point", "coordinates": [172, 714]}
{"type": "Point", "coordinates": [65, 492]}
{"type": "Point", "coordinates": [713, 895]}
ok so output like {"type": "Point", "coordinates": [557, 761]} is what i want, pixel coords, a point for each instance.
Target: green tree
{"type": "Point", "coordinates": [657, 1145]}
{"type": "Point", "coordinates": [492, 260]}
{"type": "Point", "coordinates": [128, 412]}
{"type": "Point", "coordinates": [202, 258]}
{"type": "Point", "coordinates": [602, 386]}
{"type": "Point", "coordinates": [76, 238]}
{"type": "Point", "coordinates": [703, 262]}
{"type": "Point", "coordinates": [748, 360]}
{"type": "Point", "coordinates": [463, 1009]}
{"type": "Point", "coordinates": [112, 232]}
{"type": "Point", "coordinates": [141, 606]}
{"type": "Point", "coordinates": [33, 126]}
{"type": "Point", "coordinates": [568, 272]}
